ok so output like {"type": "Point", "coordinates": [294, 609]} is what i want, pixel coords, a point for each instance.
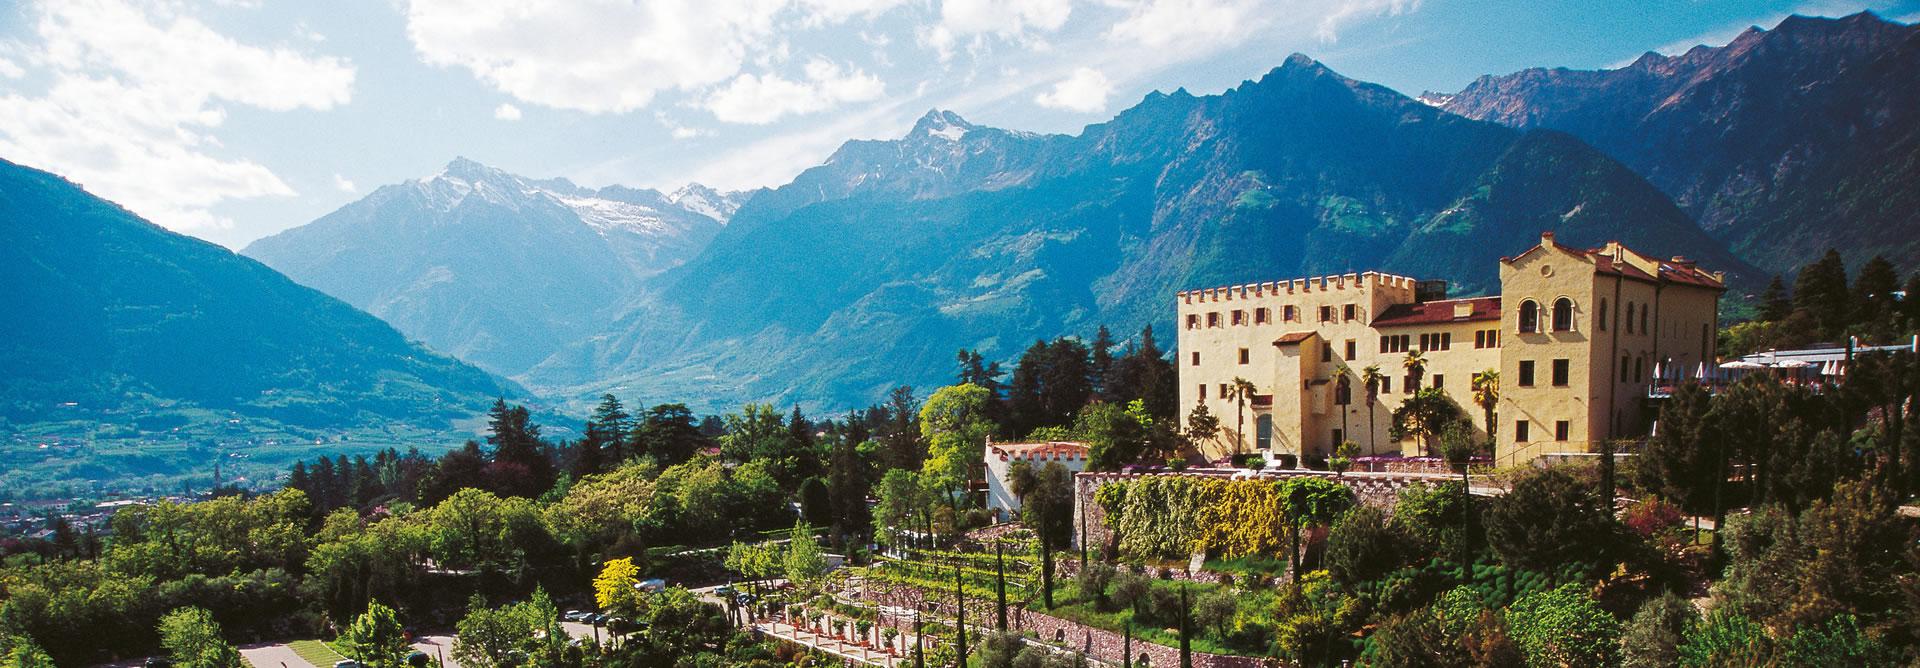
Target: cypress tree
{"type": "Point", "coordinates": [1000, 581]}
{"type": "Point", "coordinates": [1186, 640]}
{"type": "Point", "coordinates": [960, 614]}
{"type": "Point", "coordinates": [919, 657]}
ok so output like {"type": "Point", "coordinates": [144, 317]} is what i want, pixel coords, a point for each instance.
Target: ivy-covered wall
{"type": "Point", "coordinates": [1174, 513]}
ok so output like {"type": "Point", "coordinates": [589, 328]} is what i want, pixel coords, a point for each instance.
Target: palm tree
{"type": "Point", "coordinates": [1416, 366]}
{"type": "Point", "coordinates": [1372, 377]}
{"type": "Point", "coordinates": [1486, 394]}
{"type": "Point", "coordinates": [1241, 390]}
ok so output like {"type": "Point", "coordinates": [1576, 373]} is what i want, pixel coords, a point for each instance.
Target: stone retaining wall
{"type": "Point", "coordinates": [1099, 644]}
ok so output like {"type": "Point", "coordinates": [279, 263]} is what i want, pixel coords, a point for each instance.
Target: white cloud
{"type": "Point", "coordinates": [763, 99]}
{"type": "Point", "coordinates": [1084, 91]}
{"type": "Point", "coordinates": [344, 185]}
{"type": "Point", "coordinates": [836, 11]}
{"type": "Point", "coordinates": [597, 56]}
{"type": "Point", "coordinates": [10, 69]}
{"type": "Point", "coordinates": [971, 21]}
{"type": "Point", "coordinates": [676, 129]}
{"type": "Point", "coordinates": [776, 160]}
{"type": "Point", "coordinates": [133, 94]}
{"type": "Point", "coordinates": [506, 112]}
{"type": "Point", "coordinates": [1210, 25]}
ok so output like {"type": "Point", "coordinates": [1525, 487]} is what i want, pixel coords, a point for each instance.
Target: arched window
{"type": "Point", "coordinates": [1529, 317]}
{"type": "Point", "coordinates": [1562, 314]}
{"type": "Point", "coordinates": [1602, 320]}
{"type": "Point", "coordinates": [1629, 317]}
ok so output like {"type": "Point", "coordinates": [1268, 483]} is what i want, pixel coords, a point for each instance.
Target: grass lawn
{"type": "Point", "coordinates": [315, 652]}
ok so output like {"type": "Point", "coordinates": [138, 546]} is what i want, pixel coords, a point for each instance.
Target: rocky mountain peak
{"type": "Point", "coordinates": [941, 124]}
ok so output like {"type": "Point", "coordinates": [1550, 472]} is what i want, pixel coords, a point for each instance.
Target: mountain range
{"type": "Point", "coordinates": [1783, 143]}
{"type": "Point", "coordinates": [118, 330]}
{"type": "Point", "coordinates": [496, 269]}
{"type": "Point", "coordinates": [873, 268]}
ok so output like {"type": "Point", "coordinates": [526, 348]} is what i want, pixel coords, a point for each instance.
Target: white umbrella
{"type": "Point", "coordinates": [1742, 364]}
{"type": "Point", "coordinates": [1792, 364]}
{"type": "Point", "coordinates": [1701, 373]}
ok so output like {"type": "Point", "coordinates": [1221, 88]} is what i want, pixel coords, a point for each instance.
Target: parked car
{"type": "Point", "coordinates": [576, 615]}
{"type": "Point", "coordinates": [651, 585]}
{"type": "Point", "coordinates": [158, 662]}
{"type": "Point", "coordinates": [349, 663]}
{"type": "Point", "coordinates": [724, 591]}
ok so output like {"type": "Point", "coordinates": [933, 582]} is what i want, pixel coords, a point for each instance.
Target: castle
{"type": "Point", "coordinates": [1575, 334]}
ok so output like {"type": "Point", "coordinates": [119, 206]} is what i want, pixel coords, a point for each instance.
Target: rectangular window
{"type": "Point", "coordinates": [1213, 319]}
{"type": "Point", "coordinates": [1196, 357]}
{"type": "Point", "coordinates": [1353, 349]}
{"type": "Point", "coordinates": [1486, 338]}
{"type": "Point", "coordinates": [1339, 437]}
{"type": "Point", "coordinates": [1446, 340]}
{"type": "Point", "coordinates": [1193, 321]}
{"type": "Point", "coordinates": [1386, 384]}
{"type": "Point", "coordinates": [1560, 368]}
{"type": "Point", "coordinates": [1519, 431]}
{"type": "Point", "coordinates": [1625, 367]}
{"type": "Point", "coordinates": [1326, 352]}
{"type": "Point", "coordinates": [1262, 316]}
{"type": "Point", "coordinates": [1526, 373]}
{"type": "Point", "coordinates": [1223, 390]}
{"type": "Point", "coordinates": [1439, 381]}
{"type": "Point", "coordinates": [1203, 390]}
{"type": "Point", "coordinates": [1239, 317]}
{"type": "Point", "coordinates": [1385, 343]}
{"type": "Point", "coordinates": [1352, 312]}
{"type": "Point", "coordinates": [1292, 314]}
{"type": "Point", "coordinates": [1560, 430]}
{"type": "Point", "coordinates": [1243, 356]}
{"type": "Point", "coordinates": [1602, 318]}
{"type": "Point", "coordinates": [1326, 314]}
{"type": "Point", "coordinates": [1436, 342]}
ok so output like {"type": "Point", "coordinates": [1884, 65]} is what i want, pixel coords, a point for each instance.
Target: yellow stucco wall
{"type": "Point", "coordinates": [1596, 401]}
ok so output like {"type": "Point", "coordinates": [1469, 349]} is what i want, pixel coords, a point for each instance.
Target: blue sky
{"type": "Point", "coordinates": [233, 119]}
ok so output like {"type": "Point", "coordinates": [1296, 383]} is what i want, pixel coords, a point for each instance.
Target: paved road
{"type": "Point", "coordinates": [273, 656]}
{"type": "Point", "coordinates": [437, 647]}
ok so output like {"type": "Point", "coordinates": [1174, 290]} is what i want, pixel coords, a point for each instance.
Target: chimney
{"type": "Point", "coordinates": [1546, 239]}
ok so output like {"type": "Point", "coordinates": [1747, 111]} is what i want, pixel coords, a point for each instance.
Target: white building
{"type": "Point", "coordinates": [1000, 458]}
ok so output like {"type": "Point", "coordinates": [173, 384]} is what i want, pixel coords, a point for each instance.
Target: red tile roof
{"type": "Point", "coordinates": [1442, 311]}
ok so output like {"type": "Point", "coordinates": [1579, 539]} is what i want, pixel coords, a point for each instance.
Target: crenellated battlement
{"type": "Point", "coordinates": [1050, 451]}
{"type": "Point", "coordinates": [1313, 284]}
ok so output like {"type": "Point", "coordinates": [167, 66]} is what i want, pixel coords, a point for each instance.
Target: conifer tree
{"type": "Point", "coordinates": [1821, 290]}
{"type": "Point", "coordinates": [1873, 300]}
{"type": "Point", "coordinates": [1774, 303]}
{"type": "Point", "coordinates": [1102, 363]}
